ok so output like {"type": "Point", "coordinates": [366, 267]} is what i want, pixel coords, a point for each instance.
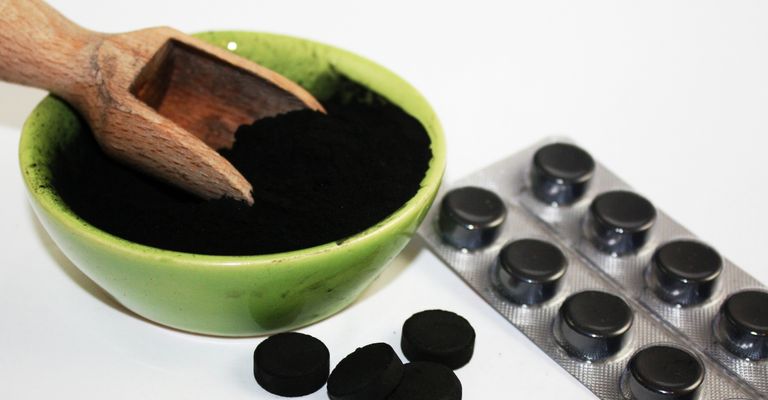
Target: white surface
{"type": "Point", "coordinates": [670, 95]}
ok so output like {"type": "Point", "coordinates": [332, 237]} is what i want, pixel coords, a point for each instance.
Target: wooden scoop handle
{"type": "Point", "coordinates": [40, 47]}
{"type": "Point", "coordinates": [143, 106]}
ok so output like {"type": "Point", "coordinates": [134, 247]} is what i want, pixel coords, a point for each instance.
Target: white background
{"type": "Point", "coordinates": [671, 95]}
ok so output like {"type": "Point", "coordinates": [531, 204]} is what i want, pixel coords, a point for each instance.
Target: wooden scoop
{"type": "Point", "coordinates": [156, 99]}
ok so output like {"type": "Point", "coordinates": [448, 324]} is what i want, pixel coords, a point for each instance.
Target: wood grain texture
{"type": "Point", "coordinates": [206, 96]}
{"type": "Point", "coordinates": [156, 99]}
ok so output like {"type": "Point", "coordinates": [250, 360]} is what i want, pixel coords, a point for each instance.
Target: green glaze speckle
{"type": "Point", "coordinates": [246, 295]}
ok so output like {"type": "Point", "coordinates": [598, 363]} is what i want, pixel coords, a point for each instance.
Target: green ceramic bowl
{"type": "Point", "coordinates": [247, 295]}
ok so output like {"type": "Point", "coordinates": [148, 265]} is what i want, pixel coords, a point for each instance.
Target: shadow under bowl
{"type": "Point", "coordinates": [236, 295]}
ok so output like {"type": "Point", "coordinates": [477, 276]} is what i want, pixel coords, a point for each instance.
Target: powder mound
{"type": "Point", "coordinates": [316, 179]}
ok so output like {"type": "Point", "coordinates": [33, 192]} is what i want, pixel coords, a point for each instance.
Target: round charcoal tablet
{"type": "Point", "coordinates": [438, 336]}
{"type": "Point", "coordinates": [664, 373]}
{"type": "Point", "coordinates": [530, 270]}
{"type": "Point", "coordinates": [594, 325]}
{"type": "Point", "coordinates": [291, 364]}
{"type": "Point", "coordinates": [742, 325]}
{"type": "Point", "coordinates": [620, 221]}
{"type": "Point", "coordinates": [471, 217]}
{"type": "Point", "coordinates": [427, 381]}
{"type": "Point", "coordinates": [684, 272]}
{"type": "Point", "coordinates": [369, 373]}
{"type": "Point", "coordinates": [560, 173]}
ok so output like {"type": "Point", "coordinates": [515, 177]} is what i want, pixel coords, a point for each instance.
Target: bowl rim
{"type": "Point", "coordinates": [55, 206]}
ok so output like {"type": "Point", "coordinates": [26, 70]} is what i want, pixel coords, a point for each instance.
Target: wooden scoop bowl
{"type": "Point", "coordinates": [156, 99]}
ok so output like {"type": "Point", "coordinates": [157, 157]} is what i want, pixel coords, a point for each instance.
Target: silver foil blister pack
{"type": "Point", "coordinates": [575, 262]}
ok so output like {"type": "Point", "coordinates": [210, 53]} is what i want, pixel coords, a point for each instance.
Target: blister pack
{"type": "Point", "coordinates": [616, 292]}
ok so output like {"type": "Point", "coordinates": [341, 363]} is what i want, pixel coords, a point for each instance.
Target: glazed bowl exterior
{"type": "Point", "coordinates": [235, 295]}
